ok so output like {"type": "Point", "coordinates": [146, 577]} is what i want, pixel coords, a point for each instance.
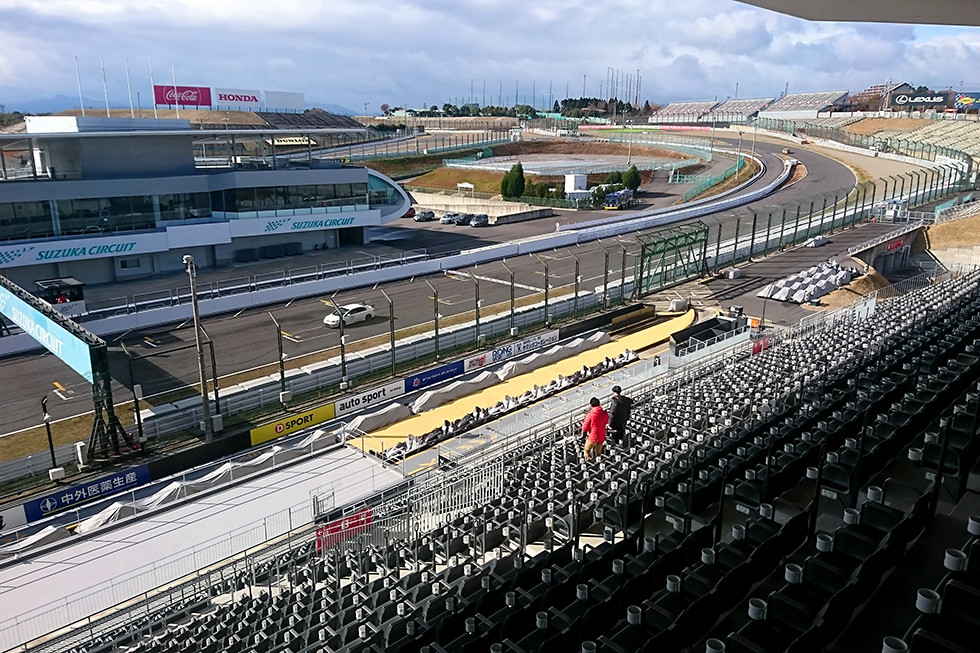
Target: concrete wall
{"type": "Point", "coordinates": [463, 204]}
{"type": "Point", "coordinates": [522, 216]}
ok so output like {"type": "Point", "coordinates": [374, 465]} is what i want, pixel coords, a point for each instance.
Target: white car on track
{"type": "Point", "coordinates": [353, 313]}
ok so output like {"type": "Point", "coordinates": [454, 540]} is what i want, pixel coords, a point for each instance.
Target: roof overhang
{"type": "Point", "coordinates": [915, 12]}
{"type": "Point", "coordinates": [211, 135]}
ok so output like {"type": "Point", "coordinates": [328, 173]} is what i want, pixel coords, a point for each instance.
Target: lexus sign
{"type": "Point", "coordinates": [236, 98]}
{"type": "Point", "coordinates": [185, 96]}
{"type": "Point", "coordinates": [920, 100]}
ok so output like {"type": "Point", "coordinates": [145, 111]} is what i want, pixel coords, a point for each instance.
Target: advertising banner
{"type": "Point", "coordinates": [343, 529]}
{"type": "Point", "coordinates": [59, 341]}
{"type": "Point", "coordinates": [90, 492]}
{"type": "Point", "coordinates": [291, 424]}
{"type": "Point", "coordinates": [431, 377]}
{"type": "Point", "coordinates": [185, 96]}
{"type": "Point", "coordinates": [965, 101]}
{"type": "Point", "coordinates": [236, 98]}
{"type": "Point", "coordinates": [368, 398]}
{"type": "Point", "coordinates": [510, 350]}
{"type": "Point", "coordinates": [279, 101]}
{"type": "Point", "coordinates": [920, 100]}
{"type": "Point", "coordinates": [77, 249]}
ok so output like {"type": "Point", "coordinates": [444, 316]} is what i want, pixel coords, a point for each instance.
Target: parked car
{"type": "Point", "coordinates": [424, 216]}
{"type": "Point", "coordinates": [480, 220]}
{"type": "Point", "coordinates": [353, 313]}
{"type": "Point", "coordinates": [410, 213]}
{"type": "Point", "coordinates": [448, 218]}
{"type": "Point", "coordinates": [464, 219]}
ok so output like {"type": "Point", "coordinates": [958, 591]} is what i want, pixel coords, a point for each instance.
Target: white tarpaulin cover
{"type": "Point", "coordinates": [810, 284]}
{"type": "Point", "coordinates": [435, 398]}
{"type": "Point", "coordinates": [379, 419]}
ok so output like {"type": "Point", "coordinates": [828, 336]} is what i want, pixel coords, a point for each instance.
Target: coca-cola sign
{"type": "Point", "coordinates": [236, 98]}
{"type": "Point", "coordinates": [185, 96]}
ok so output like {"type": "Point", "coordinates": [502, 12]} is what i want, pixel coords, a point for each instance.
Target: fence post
{"type": "Point", "coordinates": [809, 223]}
{"type": "Point", "coordinates": [718, 250]}
{"type": "Point", "coordinates": [738, 221]}
{"type": "Point", "coordinates": [782, 228]}
{"type": "Point", "coordinates": [765, 245]}
{"type": "Point", "coordinates": [796, 227]}
{"type": "Point", "coordinates": [752, 243]}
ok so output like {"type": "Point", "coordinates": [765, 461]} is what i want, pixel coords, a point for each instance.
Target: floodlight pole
{"type": "Point", "coordinates": [47, 427]}
{"type": "Point", "coordinates": [435, 315]}
{"type": "Point", "coordinates": [391, 328]}
{"type": "Point", "coordinates": [214, 370]}
{"type": "Point", "coordinates": [205, 408]}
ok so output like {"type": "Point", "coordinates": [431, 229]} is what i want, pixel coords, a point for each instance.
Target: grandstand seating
{"type": "Point", "coordinates": [807, 101]}
{"type": "Point", "coordinates": [960, 135]}
{"type": "Point", "coordinates": [834, 122]}
{"type": "Point", "coordinates": [561, 558]}
{"type": "Point", "coordinates": [737, 110]}
{"type": "Point", "coordinates": [314, 119]}
{"type": "Point", "coordinates": [683, 111]}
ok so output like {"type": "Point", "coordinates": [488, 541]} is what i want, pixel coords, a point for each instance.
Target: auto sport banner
{"type": "Point", "coordinates": [185, 96]}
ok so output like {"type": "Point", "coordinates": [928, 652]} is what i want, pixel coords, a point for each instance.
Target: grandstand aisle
{"type": "Point", "coordinates": [169, 535]}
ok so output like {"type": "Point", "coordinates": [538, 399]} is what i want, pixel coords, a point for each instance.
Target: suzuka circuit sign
{"type": "Point", "coordinates": [185, 96]}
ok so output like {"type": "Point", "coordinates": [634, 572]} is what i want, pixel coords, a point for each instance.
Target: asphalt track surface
{"type": "Point", "coordinates": [248, 340]}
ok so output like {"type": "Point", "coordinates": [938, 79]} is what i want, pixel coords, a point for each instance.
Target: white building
{"type": "Point", "coordinates": [102, 199]}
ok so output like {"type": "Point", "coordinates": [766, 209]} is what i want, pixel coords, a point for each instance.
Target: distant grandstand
{"type": "Point", "coordinates": [804, 105]}
{"type": "Point", "coordinates": [314, 119]}
{"type": "Point", "coordinates": [738, 110]}
{"type": "Point", "coordinates": [683, 112]}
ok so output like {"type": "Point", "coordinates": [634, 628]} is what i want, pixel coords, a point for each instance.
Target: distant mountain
{"type": "Point", "coordinates": [59, 103]}
{"type": "Point", "coordinates": [335, 108]}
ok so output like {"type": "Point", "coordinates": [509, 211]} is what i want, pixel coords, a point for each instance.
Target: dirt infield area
{"type": "Point", "coordinates": [958, 233]}
{"type": "Point", "coordinates": [586, 147]}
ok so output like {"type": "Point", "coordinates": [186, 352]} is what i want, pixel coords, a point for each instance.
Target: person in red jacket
{"type": "Point", "coordinates": [594, 427]}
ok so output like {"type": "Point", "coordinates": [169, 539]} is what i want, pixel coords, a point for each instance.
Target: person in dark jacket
{"type": "Point", "coordinates": [619, 415]}
{"type": "Point", "coordinates": [594, 427]}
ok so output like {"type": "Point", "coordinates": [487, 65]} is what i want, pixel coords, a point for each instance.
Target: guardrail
{"type": "Point", "coordinates": [238, 285]}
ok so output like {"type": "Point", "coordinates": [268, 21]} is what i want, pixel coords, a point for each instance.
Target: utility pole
{"type": "Point", "coordinates": [547, 318]}
{"type": "Point", "coordinates": [284, 397]}
{"type": "Point", "coordinates": [47, 428]}
{"type": "Point", "coordinates": [435, 315]}
{"type": "Point", "coordinates": [476, 285]}
{"type": "Point", "coordinates": [343, 345]}
{"type": "Point", "coordinates": [391, 328]}
{"type": "Point", "coordinates": [205, 408]}
{"type": "Point", "coordinates": [511, 272]}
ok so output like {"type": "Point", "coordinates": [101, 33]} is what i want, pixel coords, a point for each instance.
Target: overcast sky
{"type": "Point", "coordinates": [414, 52]}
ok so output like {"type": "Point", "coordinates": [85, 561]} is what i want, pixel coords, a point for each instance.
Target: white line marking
{"type": "Point", "coordinates": [240, 312]}
{"type": "Point", "coordinates": [122, 335]}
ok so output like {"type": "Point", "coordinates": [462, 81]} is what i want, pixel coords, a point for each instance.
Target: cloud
{"type": "Point", "coordinates": [415, 51]}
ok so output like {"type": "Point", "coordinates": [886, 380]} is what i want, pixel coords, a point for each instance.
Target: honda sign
{"type": "Point", "coordinates": [185, 96]}
{"type": "Point", "coordinates": [235, 98]}
{"type": "Point", "coordinates": [920, 100]}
